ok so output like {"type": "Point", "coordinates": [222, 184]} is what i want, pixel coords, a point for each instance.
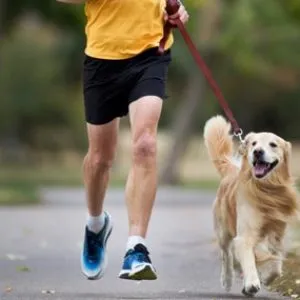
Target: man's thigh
{"type": "Point", "coordinates": [144, 115]}
{"type": "Point", "coordinates": [103, 138]}
{"type": "Point", "coordinates": [105, 90]}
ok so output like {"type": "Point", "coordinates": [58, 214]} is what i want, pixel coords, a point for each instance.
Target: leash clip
{"type": "Point", "coordinates": [242, 148]}
{"type": "Point", "coordinates": [239, 135]}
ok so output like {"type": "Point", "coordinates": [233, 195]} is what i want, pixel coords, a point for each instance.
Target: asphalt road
{"type": "Point", "coordinates": [40, 250]}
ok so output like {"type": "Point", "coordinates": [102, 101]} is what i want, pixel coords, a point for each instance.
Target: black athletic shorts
{"type": "Point", "coordinates": [111, 85]}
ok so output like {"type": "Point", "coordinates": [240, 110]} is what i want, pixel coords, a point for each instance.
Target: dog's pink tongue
{"type": "Point", "coordinates": [260, 170]}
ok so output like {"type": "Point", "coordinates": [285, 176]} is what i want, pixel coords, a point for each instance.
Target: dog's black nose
{"type": "Point", "coordinates": [258, 153]}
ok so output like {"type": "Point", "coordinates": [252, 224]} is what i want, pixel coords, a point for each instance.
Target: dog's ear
{"type": "Point", "coordinates": [287, 151]}
{"type": "Point", "coordinates": [248, 138]}
{"type": "Point", "coordinates": [288, 146]}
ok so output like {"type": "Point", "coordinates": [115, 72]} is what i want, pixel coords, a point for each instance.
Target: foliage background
{"type": "Point", "coordinates": [252, 47]}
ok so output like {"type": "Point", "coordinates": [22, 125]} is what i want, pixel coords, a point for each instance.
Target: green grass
{"type": "Point", "coordinates": [48, 176]}
{"type": "Point", "coordinates": [209, 185]}
{"type": "Point", "coordinates": [14, 194]}
{"type": "Point", "coordinates": [20, 185]}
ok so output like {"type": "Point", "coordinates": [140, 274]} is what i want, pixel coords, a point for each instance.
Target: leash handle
{"type": "Point", "coordinates": [172, 7]}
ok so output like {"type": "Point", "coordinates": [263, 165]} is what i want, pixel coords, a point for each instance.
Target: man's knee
{"type": "Point", "coordinates": [98, 162]}
{"type": "Point", "coordinates": [144, 148]}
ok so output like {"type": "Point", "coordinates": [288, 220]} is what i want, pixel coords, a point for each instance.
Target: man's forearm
{"type": "Point", "coordinates": [72, 1]}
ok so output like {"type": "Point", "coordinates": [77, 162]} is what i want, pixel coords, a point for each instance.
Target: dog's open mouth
{"type": "Point", "coordinates": [262, 168]}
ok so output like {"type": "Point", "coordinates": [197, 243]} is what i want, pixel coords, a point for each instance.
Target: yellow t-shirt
{"type": "Point", "coordinates": [120, 29]}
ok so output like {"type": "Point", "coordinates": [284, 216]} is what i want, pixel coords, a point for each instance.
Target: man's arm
{"type": "Point", "coordinates": [72, 1]}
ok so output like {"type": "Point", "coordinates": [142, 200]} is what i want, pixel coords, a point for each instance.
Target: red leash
{"type": "Point", "coordinates": [171, 8]}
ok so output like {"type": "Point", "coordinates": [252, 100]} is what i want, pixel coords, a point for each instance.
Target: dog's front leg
{"type": "Point", "coordinates": [244, 252]}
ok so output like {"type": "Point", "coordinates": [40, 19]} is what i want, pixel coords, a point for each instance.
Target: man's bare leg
{"type": "Point", "coordinates": [142, 180]}
{"type": "Point", "coordinates": [97, 163]}
{"type": "Point", "coordinates": [96, 167]}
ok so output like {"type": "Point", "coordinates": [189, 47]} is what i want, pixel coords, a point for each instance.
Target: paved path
{"type": "Point", "coordinates": [40, 249]}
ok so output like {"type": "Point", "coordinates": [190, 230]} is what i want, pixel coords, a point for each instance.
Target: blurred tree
{"type": "Point", "coordinates": [33, 96]}
{"type": "Point", "coordinates": [261, 45]}
{"type": "Point", "coordinates": [69, 17]}
{"type": "Point", "coordinates": [252, 48]}
{"type": "Point", "coordinates": [69, 20]}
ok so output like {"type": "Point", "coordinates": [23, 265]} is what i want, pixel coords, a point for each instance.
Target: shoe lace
{"type": "Point", "coordinates": [93, 243]}
{"type": "Point", "coordinates": [141, 253]}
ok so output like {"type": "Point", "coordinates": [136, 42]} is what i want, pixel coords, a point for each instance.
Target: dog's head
{"type": "Point", "coordinates": [267, 154]}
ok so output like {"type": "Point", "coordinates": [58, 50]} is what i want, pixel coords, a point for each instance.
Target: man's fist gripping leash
{"type": "Point", "coordinates": [172, 8]}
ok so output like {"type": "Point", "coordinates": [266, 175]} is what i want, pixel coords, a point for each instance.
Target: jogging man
{"type": "Point", "coordinates": [123, 74]}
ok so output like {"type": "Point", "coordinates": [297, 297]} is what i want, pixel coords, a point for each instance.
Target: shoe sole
{"type": "Point", "coordinates": [146, 272]}
{"type": "Point", "coordinates": [105, 261]}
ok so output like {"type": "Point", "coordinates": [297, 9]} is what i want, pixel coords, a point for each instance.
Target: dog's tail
{"type": "Point", "coordinates": [219, 144]}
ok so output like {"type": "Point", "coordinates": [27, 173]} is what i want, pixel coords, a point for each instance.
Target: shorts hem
{"type": "Point", "coordinates": [101, 121]}
{"type": "Point", "coordinates": [147, 95]}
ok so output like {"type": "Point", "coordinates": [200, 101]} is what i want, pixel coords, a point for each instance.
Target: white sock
{"type": "Point", "coordinates": [95, 224]}
{"type": "Point", "coordinates": [133, 240]}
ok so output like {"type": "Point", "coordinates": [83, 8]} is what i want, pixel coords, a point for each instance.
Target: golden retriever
{"type": "Point", "coordinates": [255, 201]}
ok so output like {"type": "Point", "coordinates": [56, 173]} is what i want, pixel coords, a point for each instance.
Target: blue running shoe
{"type": "Point", "coordinates": [94, 256]}
{"type": "Point", "coordinates": [137, 265]}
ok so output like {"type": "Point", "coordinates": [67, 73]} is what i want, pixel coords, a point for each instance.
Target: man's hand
{"type": "Point", "coordinates": [182, 14]}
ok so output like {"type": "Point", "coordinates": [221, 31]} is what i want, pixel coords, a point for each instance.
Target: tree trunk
{"type": "Point", "coordinates": [182, 128]}
{"type": "Point", "coordinates": [195, 91]}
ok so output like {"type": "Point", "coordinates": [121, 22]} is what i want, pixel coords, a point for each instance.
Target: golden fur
{"type": "Point", "coordinates": [250, 213]}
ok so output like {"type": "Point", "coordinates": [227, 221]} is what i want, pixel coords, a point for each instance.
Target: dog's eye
{"type": "Point", "coordinates": [273, 145]}
{"type": "Point", "coordinates": [254, 143]}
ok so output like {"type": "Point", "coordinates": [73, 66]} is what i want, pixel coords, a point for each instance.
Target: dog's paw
{"type": "Point", "coordinates": [270, 271]}
{"type": "Point", "coordinates": [251, 288]}
{"type": "Point", "coordinates": [226, 283]}
{"type": "Point", "coordinates": [227, 277]}
{"type": "Point", "coordinates": [270, 278]}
